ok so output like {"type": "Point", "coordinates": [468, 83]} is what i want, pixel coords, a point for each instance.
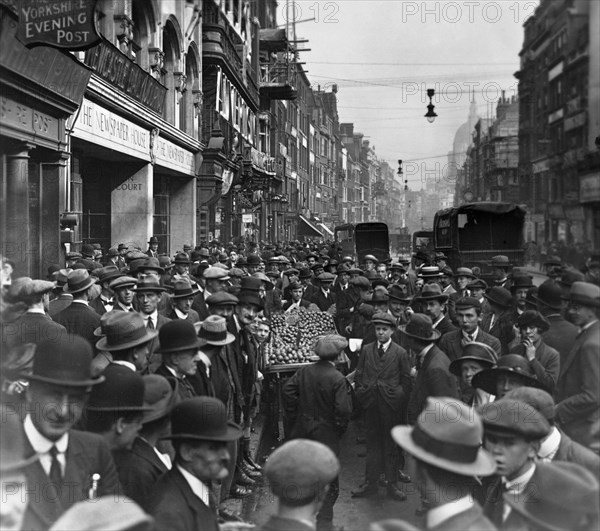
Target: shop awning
{"type": "Point", "coordinates": [306, 228]}
{"type": "Point", "coordinates": [325, 230]}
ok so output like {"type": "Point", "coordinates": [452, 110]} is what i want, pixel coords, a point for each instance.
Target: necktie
{"type": "Point", "coordinates": [150, 324]}
{"type": "Point", "coordinates": [380, 350]}
{"type": "Point", "coordinates": [55, 470]}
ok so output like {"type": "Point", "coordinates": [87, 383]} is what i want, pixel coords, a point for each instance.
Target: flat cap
{"type": "Point", "coordinates": [326, 277]}
{"type": "Point", "coordinates": [25, 287]}
{"type": "Point", "coordinates": [507, 416]}
{"type": "Point", "coordinates": [218, 273]}
{"type": "Point", "coordinates": [328, 347]}
{"type": "Point", "coordinates": [467, 302]}
{"type": "Point", "coordinates": [383, 318]}
{"type": "Point", "coordinates": [361, 283]}
{"type": "Point", "coordinates": [123, 282]}
{"type": "Point", "coordinates": [537, 398]}
{"type": "Point", "coordinates": [222, 298]}
{"type": "Point", "coordinates": [300, 469]}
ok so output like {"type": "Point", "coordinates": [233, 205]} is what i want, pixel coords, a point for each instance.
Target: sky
{"type": "Point", "coordinates": [384, 55]}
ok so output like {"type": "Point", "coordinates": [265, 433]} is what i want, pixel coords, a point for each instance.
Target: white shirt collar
{"type": "Point", "coordinates": [515, 488]}
{"type": "Point", "coordinates": [127, 364]}
{"type": "Point", "coordinates": [475, 333]}
{"type": "Point", "coordinates": [81, 301]}
{"type": "Point", "coordinates": [174, 372]}
{"type": "Point", "coordinates": [206, 360]}
{"type": "Point", "coordinates": [423, 352]}
{"type": "Point", "coordinates": [42, 446]}
{"type": "Point", "coordinates": [585, 327]}
{"type": "Point", "coordinates": [36, 310]}
{"type": "Point", "coordinates": [439, 320]}
{"type": "Point", "coordinates": [550, 445]}
{"type": "Point", "coordinates": [386, 345]}
{"type": "Point", "coordinates": [154, 316]}
{"type": "Point", "coordinates": [180, 314]}
{"type": "Point", "coordinates": [438, 515]}
{"type": "Point", "coordinates": [198, 488]}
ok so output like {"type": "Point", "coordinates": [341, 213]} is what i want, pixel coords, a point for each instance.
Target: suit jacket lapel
{"type": "Point", "coordinates": [572, 354]}
{"type": "Point", "coordinates": [145, 451]}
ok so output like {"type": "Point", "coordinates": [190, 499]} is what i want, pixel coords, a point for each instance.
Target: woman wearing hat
{"type": "Point", "coordinates": [544, 361]}
{"type": "Point", "coordinates": [476, 357]}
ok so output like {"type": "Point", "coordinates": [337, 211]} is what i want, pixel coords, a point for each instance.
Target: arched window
{"type": "Point", "coordinates": [173, 77]}
{"type": "Point", "coordinates": [144, 24]}
{"type": "Point", "coordinates": [191, 98]}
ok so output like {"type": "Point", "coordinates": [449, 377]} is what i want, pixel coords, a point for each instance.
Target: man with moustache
{"type": "Point", "coordinates": [183, 497]}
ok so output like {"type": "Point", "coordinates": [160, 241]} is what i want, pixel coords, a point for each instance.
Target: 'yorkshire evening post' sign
{"type": "Point", "coordinates": [67, 24]}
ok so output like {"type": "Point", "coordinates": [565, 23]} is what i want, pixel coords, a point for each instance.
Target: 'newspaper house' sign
{"type": "Point", "coordinates": [67, 24]}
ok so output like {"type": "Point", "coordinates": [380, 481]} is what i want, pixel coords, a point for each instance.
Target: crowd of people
{"type": "Point", "coordinates": [133, 380]}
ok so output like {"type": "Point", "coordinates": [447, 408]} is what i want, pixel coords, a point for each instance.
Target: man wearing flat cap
{"type": "Point", "coordinates": [73, 465]}
{"type": "Point", "coordinates": [183, 499]}
{"type": "Point", "coordinates": [299, 473]}
{"type": "Point", "coordinates": [446, 456]}
{"type": "Point", "coordinates": [318, 407]}
{"type": "Point", "coordinates": [34, 326]}
{"type": "Point", "coordinates": [578, 392]}
{"type": "Point", "coordinates": [324, 297]}
{"type": "Point", "coordinates": [122, 287]}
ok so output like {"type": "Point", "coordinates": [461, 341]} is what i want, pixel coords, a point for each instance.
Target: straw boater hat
{"type": "Point", "coordinates": [429, 272]}
{"type": "Point", "coordinates": [450, 441]}
{"type": "Point", "coordinates": [213, 331]}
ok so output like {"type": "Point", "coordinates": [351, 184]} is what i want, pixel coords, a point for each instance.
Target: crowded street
{"type": "Point", "coordinates": [284, 265]}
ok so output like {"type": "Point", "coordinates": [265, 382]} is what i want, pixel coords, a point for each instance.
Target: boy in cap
{"type": "Point", "coordinates": [513, 431]}
{"type": "Point", "coordinates": [318, 407]}
{"type": "Point", "coordinates": [445, 445]}
{"type": "Point", "coordinates": [382, 383]}
{"type": "Point", "coordinates": [299, 472]}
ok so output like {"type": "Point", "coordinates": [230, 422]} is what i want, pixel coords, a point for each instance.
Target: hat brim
{"type": "Point", "coordinates": [124, 409]}
{"type": "Point", "coordinates": [497, 303]}
{"type": "Point", "coordinates": [584, 301]}
{"type": "Point", "coordinates": [546, 303]}
{"type": "Point", "coordinates": [487, 379]}
{"type": "Point", "coordinates": [441, 297]}
{"type": "Point", "coordinates": [230, 338]}
{"type": "Point", "coordinates": [484, 464]}
{"type": "Point", "coordinates": [102, 343]}
{"type": "Point", "coordinates": [165, 408]}
{"type": "Point", "coordinates": [63, 383]}
{"type": "Point", "coordinates": [435, 334]}
{"type": "Point", "coordinates": [142, 289]}
{"type": "Point", "coordinates": [194, 292]}
{"type": "Point", "coordinates": [190, 346]}
{"type": "Point", "coordinates": [233, 433]}
{"type": "Point", "coordinates": [454, 367]}
{"type": "Point", "coordinates": [91, 282]}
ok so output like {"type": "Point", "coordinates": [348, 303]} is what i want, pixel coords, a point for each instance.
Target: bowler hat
{"type": "Point", "coordinates": [78, 280]}
{"type": "Point", "coordinates": [299, 470]}
{"type": "Point", "coordinates": [565, 495]}
{"type": "Point", "coordinates": [474, 351]}
{"type": "Point", "coordinates": [305, 273]}
{"type": "Point", "coordinates": [464, 272]}
{"type": "Point", "coordinates": [253, 260]}
{"type": "Point", "coordinates": [328, 347]}
{"type": "Point", "coordinates": [121, 390]}
{"type": "Point", "coordinates": [533, 318]}
{"type": "Point", "coordinates": [202, 418]}
{"type": "Point", "coordinates": [537, 398]}
{"type": "Point", "coordinates": [447, 435]}
{"type": "Point", "coordinates": [549, 294]}
{"type": "Point", "coordinates": [182, 288]}
{"type": "Point", "coordinates": [213, 331]}
{"type": "Point", "coordinates": [87, 250]}
{"type": "Point", "coordinates": [568, 276]}
{"type": "Point", "coordinates": [153, 239]}
{"type": "Point", "coordinates": [176, 336]}
{"type": "Point", "coordinates": [396, 293]}
{"type": "Point", "coordinates": [370, 257]}
{"type": "Point", "coordinates": [420, 327]}
{"type": "Point", "coordinates": [123, 330]}
{"type": "Point", "coordinates": [148, 283]}
{"type": "Point", "coordinates": [181, 258]}
{"type": "Point", "coordinates": [507, 416]}
{"type": "Point", "coordinates": [383, 318]}
{"type": "Point", "coordinates": [521, 282]}
{"type": "Point", "coordinates": [500, 261]}
{"type": "Point", "coordinates": [159, 397]}
{"type": "Point", "coordinates": [432, 292]}
{"type": "Point", "coordinates": [65, 361]}
{"type": "Point", "coordinates": [499, 296]}
{"type": "Point", "coordinates": [585, 293]}
{"type": "Point", "coordinates": [222, 298]}
{"type": "Point", "coordinates": [509, 364]}
{"type": "Point", "coordinates": [151, 263]}
{"type": "Point", "coordinates": [429, 272]}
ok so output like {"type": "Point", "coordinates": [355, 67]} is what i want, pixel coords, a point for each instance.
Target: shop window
{"type": "Point", "coordinates": [161, 221]}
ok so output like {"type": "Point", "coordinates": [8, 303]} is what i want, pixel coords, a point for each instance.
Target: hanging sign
{"type": "Point", "coordinates": [66, 24]}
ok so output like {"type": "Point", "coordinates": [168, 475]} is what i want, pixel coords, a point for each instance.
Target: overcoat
{"type": "Point", "coordinates": [80, 319]}
{"type": "Point", "coordinates": [545, 365]}
{"type": "Point", "coordinates": [31, 328]}
{"type": "Point", "coordinates": [451, 343]}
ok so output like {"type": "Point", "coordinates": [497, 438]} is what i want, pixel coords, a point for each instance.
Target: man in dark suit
{"type": "Point", "coordinates": [33, 326]}
{"type": "Point", "coordinates": [73, 465]}
{"type": "Point", "coordinates": [445, 429]}
{"type": "Point", "coordinates": [562, 334]}
{"type": "Point", "coordinates": [468, 312]}
{"type": "Point", "coordinates": [434, 306]}
{"type": "Point", "coordinates": [382, 386]}
{"type": "Point", "coordinates": [152, 247]}
{"type": "Point", "coordinates": [105, 302]}
{"type": "Point", "coordinates": [324, 298]}
{"type": "Point", "coordinates": [182, 298]}
{"type": "Point", "coordinates": [318, 407]}
{"type": "Point", "coordinates": [577, 392]}
{"type": "Point", "coordinates": [433, 376]}
{"type": "Point", "coordinates": [182, 498]}
{"type": "Point", "coordinates": [498, 322]}
{"type": "Point", "coordinates": [79, 318]}
{"type": "Point", "coordinates": [140, 467]}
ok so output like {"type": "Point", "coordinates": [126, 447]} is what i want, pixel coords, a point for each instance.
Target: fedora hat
{"type": "Point", "coordinates": [253, 260]}
{"type": "Point", "coordinates": [474, 351]}
{"type": "Point", "coordinates": [533, 318]}
{"type": "Point", "coordinates": [148, 283]}
{"type": "Point", "coordinates": [151, 263]}
{"type": "Point", "coordinates": [305, 273]}
{"type": "Point", "coordinates": [499, 296]}
{"type": "Point", "coordinates": [565, 494]}
{"type": "Point", "coordinates": [396, 293]}
{"type": "Point", "coordinates": [176, 336]}
{"type": "Point", "coordinates": [87, 250]}
{"type": "Point", "coordinates": [585, 293]}
{"type": "Point", "coordinates": [509, 364]}
{"type": "Point", "coordinates": [264, 278]}
{"type": "Point", "coordinates": [183, 289]}
{"type": "Point", "coordinates": [78, 280]}
{"type": "Point", "coordinates": [65, 361]}
{"type": "Point", "coordinates": [464, 272]}
{"type": "Point", "coordinates": [153, 239]}
{"type": "Point", "coordinates": [213, 331]}
{"type": "Point", "coordinates": [397, 266]}
{"type": "Point", "coordinates": [500, 261]}
{"type": "Point", "coordinates": [447, 435]}
{"type": "Point", "coordinates": [432, 292]}
{"type": "Point", "coordinates": [202, 418]}
{"type": "Point", "coordinates": [181, 258]}
{"type": "Point", "coordinates": [380, 294]}
{"type": "Point", "coordinates": [249, 297]}
{"type": "Point", "coordinates": [159, 397]}
{"type": "Point", "coordinates": [420, 327]}
{"type": "Point", "coordinates": [108, 273]}
{"type": "Point", "coordinates": [121, 390]}
{"type": "Point", "coordinates": [548, 294]}
{"type": "Point", "coordinates": [252, 283]}
{"type": "Point", "coordinates": [124, 330]}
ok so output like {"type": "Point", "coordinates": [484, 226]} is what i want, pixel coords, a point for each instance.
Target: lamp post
{"type": "Point", "coordinates": [431, 115]}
